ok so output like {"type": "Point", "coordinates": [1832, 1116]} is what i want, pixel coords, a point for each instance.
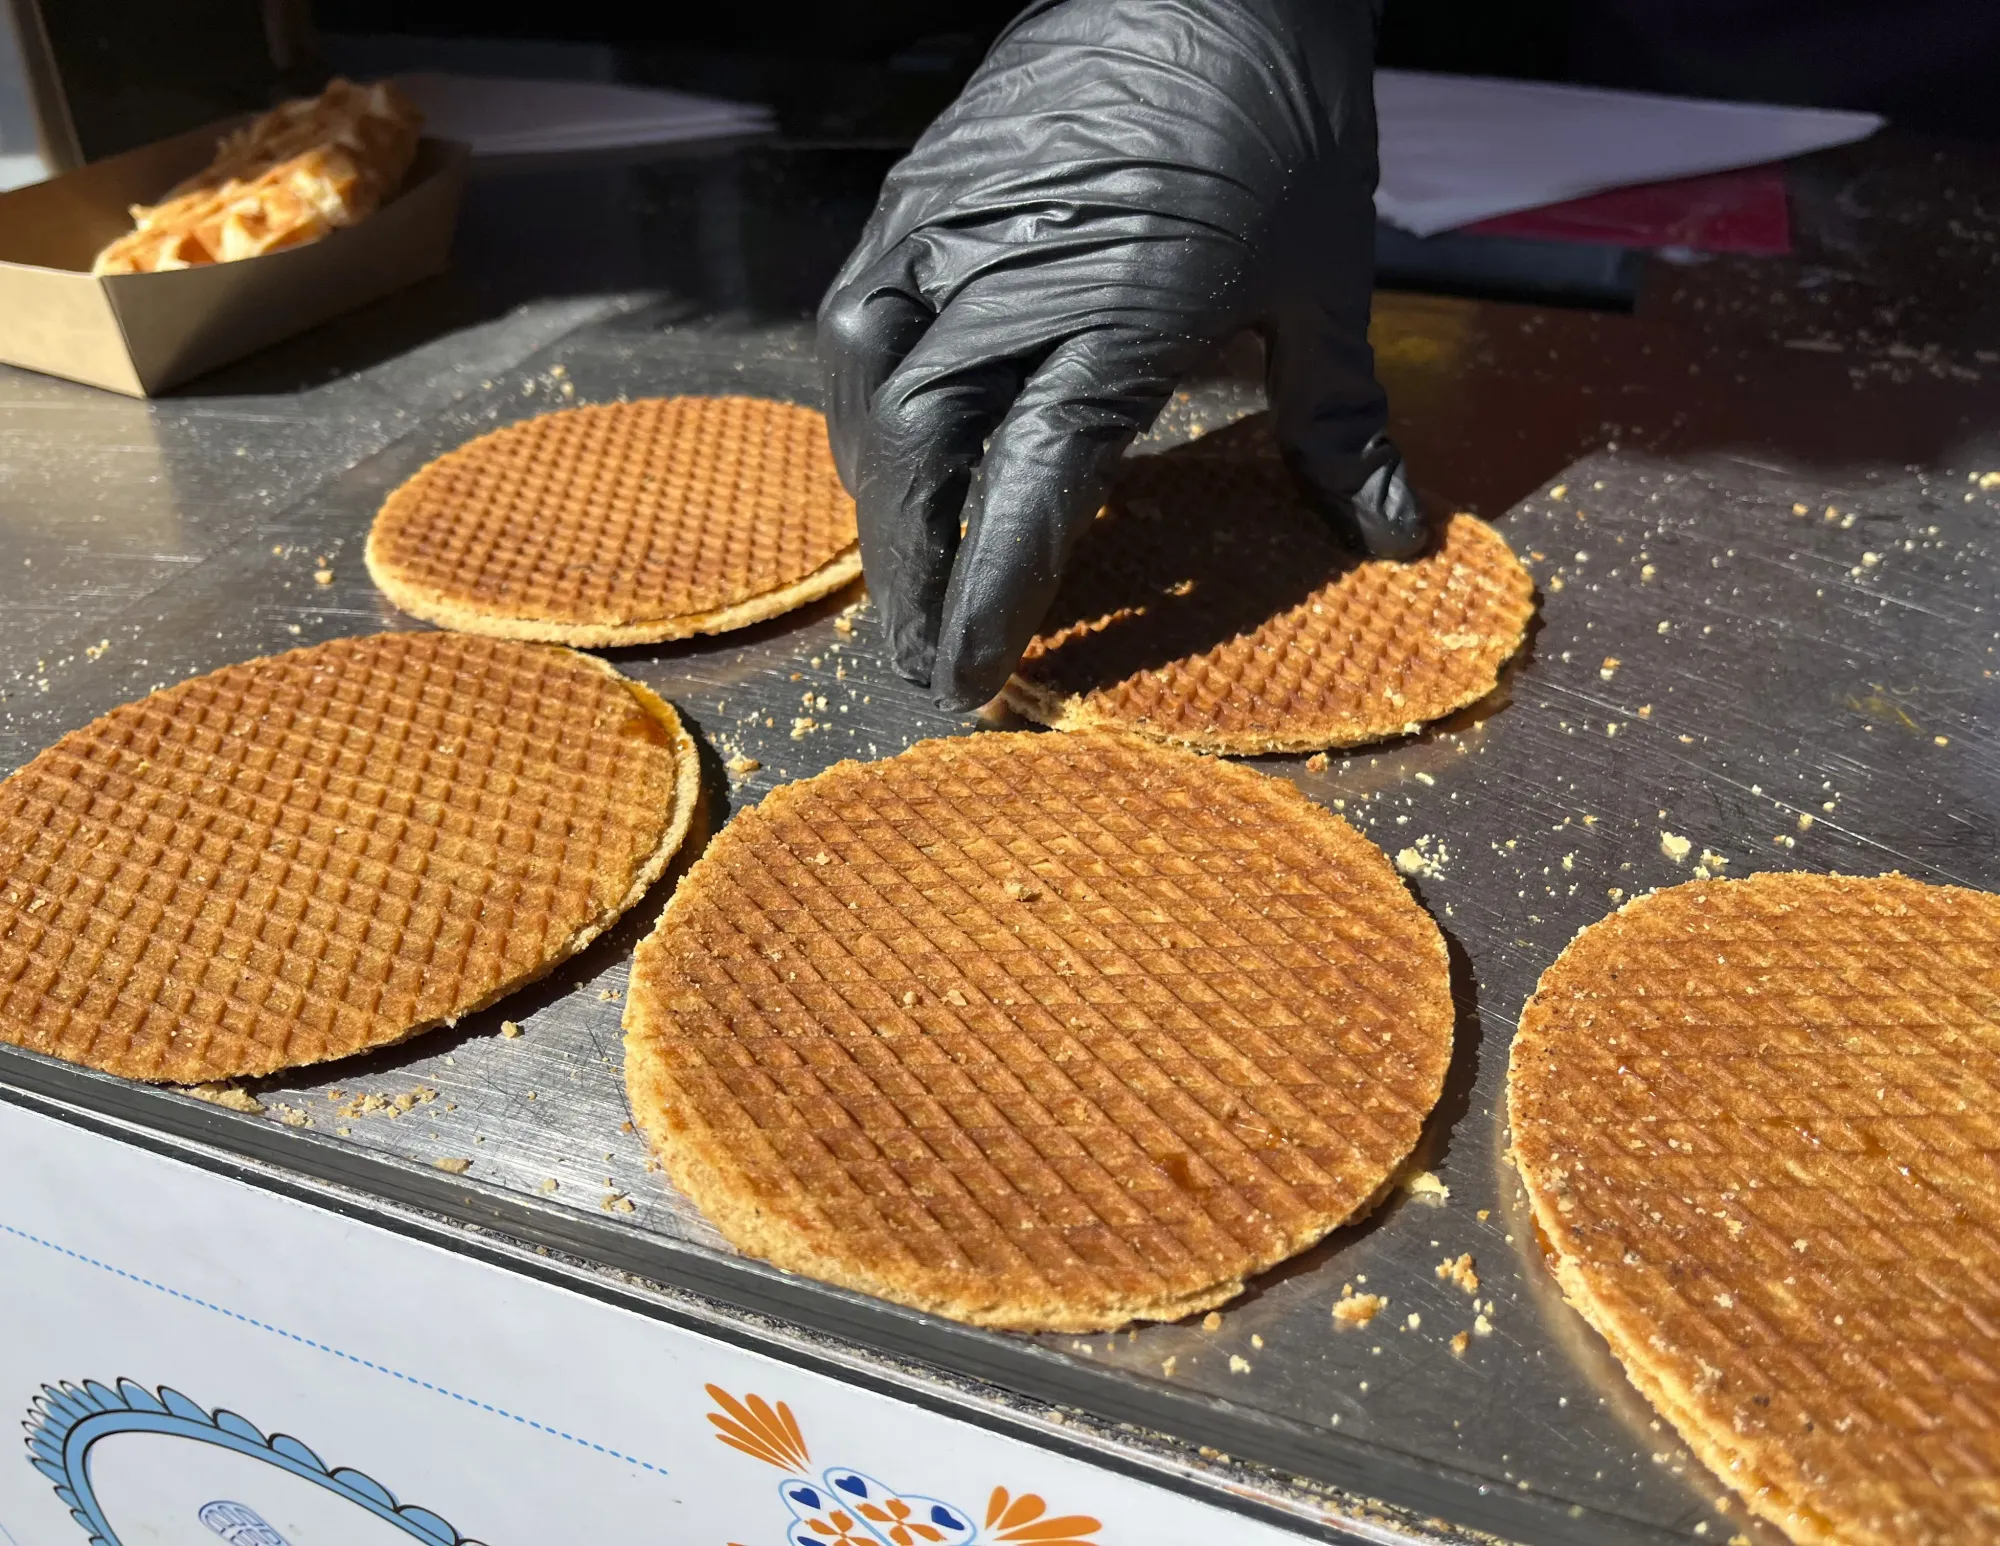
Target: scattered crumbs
{"type": "Point", "coordinates": [96, 651]}
{"type": "Point", "coordinates": [292, 1116]}
{"type": "Point", "coordinates": [232, 1097]}
{"type": "Point", "coordinates": [549, 1184]}
{"type": "Point", "coordinates": [1800, 510]}
{"type": "Point", "coordinates": [388, 1105]}
{"type": "Point", "coordinates": [1941, 740]}
{"type": "Point", "coordinates": [1870, 560]}
{"type": "Point", "coordinates": [1021, 890]}
{"type": "Point", "coordinates": [1710, 865]}
{"type": "Point", "coordinates": [954, 998]}
{"type": "Point", "coordinates": [608, 995]}
{"type": "Point", "coordinates": [626, 1127]}
{"type": "Point", "coordinates": [1727, 1301]}
{"type": "Point", "coordinates": [1425, 779]}
{"type": "Point", "coordinates": [1805, 821]}
{"type": "Point", "coordinates": [1211, 1321]}
{"type": "Point", "coordinates": [1238, 1364]}
{"type": "Point", "coordinates": [1316, 763]}
{"type": "Point", "coordinates": [1616, 893]}
{"type": "Point", "coordinates": [1169, 1364]}
{"type": "Point", "coordinates": [509, 1029]}
{"type": "Point", "coordinates": [1459, 1343]}
{"type": "Point", "coordinates": [1427, 856]}
{"type": "Point", "coordinates": [1647, 571]}
{"type": "Point", "coordinates": [1460, 1272]}
{"type": "Point", "coordinates": [1412, 1321]}
{"type": "Point", "coordinates": [1609, 669]}
{"type": "Point", "coordinates": [740, 764]}
{"type": "Point", "coordinates": [803, 726]}
{"type": "Point", "coordinates": [822, 857]}
{"type": "Point", "coordinates": [910, 998]}
{"type": "Point", "coordinates": [1560, 491]}
{"type": "Point", "coordinates": [453, 1164]}
{"type": "Point", "coordinates": [1675, 847]}
{"type": "Point", "coordinates": [1352, 1309]}
{"type": "Point", "coordinates": [616, 1202]}
{"type": "Point", "coordinates": [1256, 1341]}
{"type": "Point", "coordinates": [1785, 840]}
{"type": "Point", "coordinates": [1481, 1326]}
{"type": "Point", "coordinates": [1426, 1187]}
{"type": "Point", "coordinates": [1482, 1215]}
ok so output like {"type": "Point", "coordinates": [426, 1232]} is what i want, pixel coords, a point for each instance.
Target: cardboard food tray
{"type": "Point", "coordinates": [143, 333]}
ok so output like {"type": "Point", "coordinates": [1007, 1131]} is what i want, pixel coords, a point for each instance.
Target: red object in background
{"type": "Point", "coordinates": [1742, 211]}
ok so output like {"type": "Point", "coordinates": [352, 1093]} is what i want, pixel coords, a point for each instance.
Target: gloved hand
{"type": "Point", "coordinates": [1123, 185]}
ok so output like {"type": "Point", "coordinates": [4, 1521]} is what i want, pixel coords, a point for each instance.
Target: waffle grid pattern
{"type": "Point", "coordinates": [1047, 1032]}
{"type": "Point", "coordinates": [1759, 1122]}
{"type": "Point", "coordinates": [652, 515]}
{"type": "Point", "coordinates": [1208, 606]}
{"type": "Point", "coordinates": [304, 856]}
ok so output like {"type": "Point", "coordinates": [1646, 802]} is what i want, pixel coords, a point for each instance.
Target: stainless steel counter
{"type": "Point", "coordinates": [1768, 593]}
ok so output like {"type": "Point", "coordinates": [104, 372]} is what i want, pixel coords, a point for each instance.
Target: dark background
{"type": "Point", "coordinates": [136, 70]}
{"type": "Point", "coordinates": [1927, 63]}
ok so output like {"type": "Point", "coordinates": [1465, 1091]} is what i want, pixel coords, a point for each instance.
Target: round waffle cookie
{"type": "Point", "coordinates": [1040, 1032]}
{"type": "Point", "coordinates": [1208, 605]}
{"type": "Point", "coordinates": [325, 851]}
{"type": "Point", "coordinates": [622, 523]}
{"type": "Point", "coordinates": [1759, 1125]}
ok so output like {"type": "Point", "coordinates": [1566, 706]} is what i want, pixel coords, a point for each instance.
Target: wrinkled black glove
{"type": "Point", "coordinates": [1122, 186]}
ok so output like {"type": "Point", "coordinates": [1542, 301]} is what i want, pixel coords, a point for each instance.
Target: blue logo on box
{"type": "Point", "coordinates": [66, 1420]}
{"type": "Point", "coordinates": [239, 1524]}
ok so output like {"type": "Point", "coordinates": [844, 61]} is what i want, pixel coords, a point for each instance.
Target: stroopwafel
{"type": "Point", "coordinates": [1037, 1031]}
{"type": "Point", "coordinates": [1759, 1124]}
{"type": "Point", "coordinates": [321, 852]}
{"type": "Point", "coordinates": [622, 523]}
{"type": "Point", "coordinates": [1208, 605]}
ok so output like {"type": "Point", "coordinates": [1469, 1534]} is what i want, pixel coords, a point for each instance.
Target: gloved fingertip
{"type": "Point", "coordinates": [1392, 524]}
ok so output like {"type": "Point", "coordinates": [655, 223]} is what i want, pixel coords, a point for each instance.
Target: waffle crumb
{"type": "Point", "coordinates": [1459, 1272]}
{"type": "Point", "coordinates": [1352, 1309]}
{"type": "Point", "coordinates": [1426, 1188]}
{"type": "Point", "coordinates": [1675, 847]}
{"type": "Point", "coordinates": [1212, 1321]}
{"type": "Point", "coordinates": [231, 1097]}
{"type": "Point", "coordinates": [453, 1164]}
{"type": "Point", "coordinates": [510, 1029]}
{"type": "Point", "coordinates": [740, 764]}
{"type": "Point", "coordinates": [1316, 763]}
{"type": "Point", "coordinates": [1459, 1343]}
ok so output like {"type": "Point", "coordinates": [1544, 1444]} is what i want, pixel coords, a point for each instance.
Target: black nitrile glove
{"type": "Point", "coordinates": [1122, 186]}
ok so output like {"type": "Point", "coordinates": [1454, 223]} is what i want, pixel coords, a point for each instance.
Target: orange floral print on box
{"type": "Point", "coordinates": [845, 1507]}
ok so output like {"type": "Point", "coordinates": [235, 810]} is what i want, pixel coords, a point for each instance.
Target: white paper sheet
{"type": "Point", "coordinates": [499, 117]}
{"type": "Point", "coordinates": [1461, 148]}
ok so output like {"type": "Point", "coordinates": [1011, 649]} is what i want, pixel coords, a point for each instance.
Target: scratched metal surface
{"type": "Point", "coordinates": [1775, 599]}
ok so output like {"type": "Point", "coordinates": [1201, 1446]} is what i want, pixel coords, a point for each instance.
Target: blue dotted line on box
{"type": "Point", "coordinates": [321, 1347]}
